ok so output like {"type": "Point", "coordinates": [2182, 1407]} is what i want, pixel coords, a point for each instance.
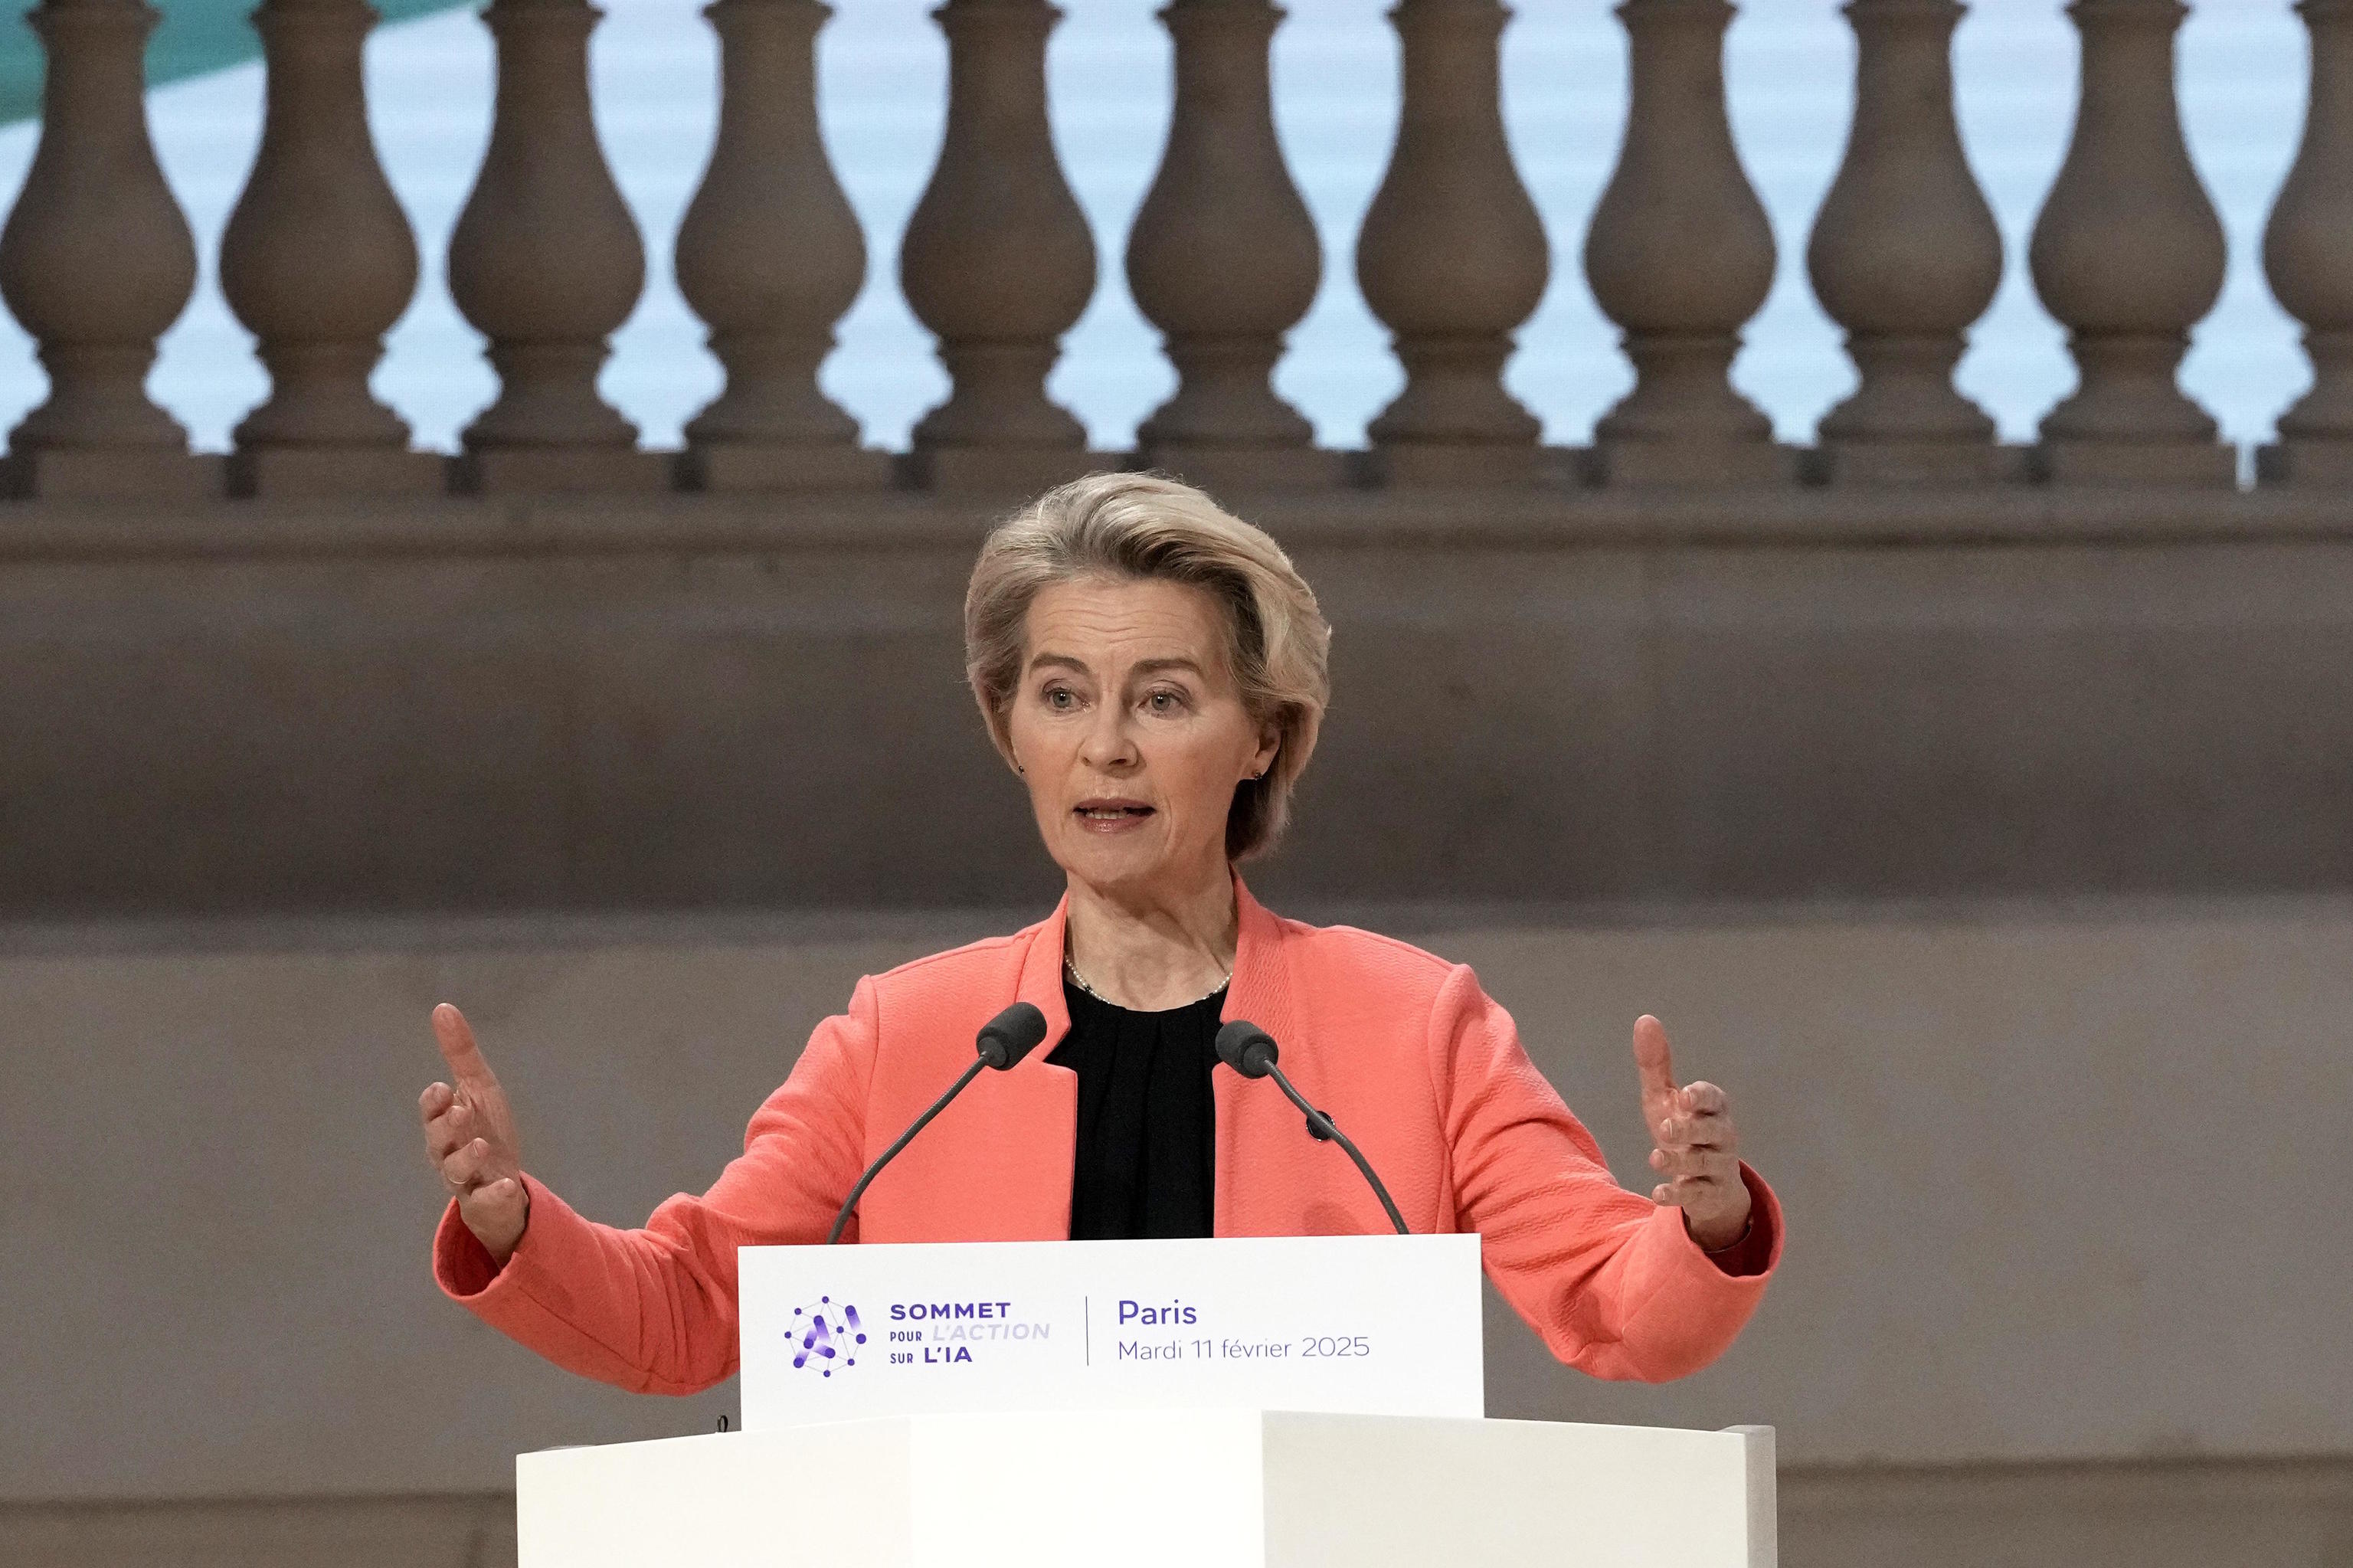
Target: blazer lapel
{"type": "Point", "coordinates": [1017, 1142]}
{"type": "Point", "coordinates": [1026, 1137]}
{"type": "Point", "coordinates": [1260, 992]}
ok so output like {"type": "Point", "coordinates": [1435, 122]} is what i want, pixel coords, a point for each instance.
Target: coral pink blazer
{"type": "Point", "coordinates": [1404, 1049]}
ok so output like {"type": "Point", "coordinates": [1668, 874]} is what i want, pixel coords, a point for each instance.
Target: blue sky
{"type": "Point", "coordinates": [883, 73]}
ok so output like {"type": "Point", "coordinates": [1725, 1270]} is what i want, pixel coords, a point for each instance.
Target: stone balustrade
{"type": "Point", "coordinates": [998, 262]}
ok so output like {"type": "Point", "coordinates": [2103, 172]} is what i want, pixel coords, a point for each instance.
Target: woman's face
{"type": "Point", "coordinates": [1130, 730]}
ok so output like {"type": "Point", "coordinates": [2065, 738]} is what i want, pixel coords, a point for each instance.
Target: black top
{"type": "Point", "coordinates": [1148, 1153]}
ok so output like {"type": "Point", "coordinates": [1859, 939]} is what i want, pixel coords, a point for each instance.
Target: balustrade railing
{"type": "Point", "coordinates": [998, 262]}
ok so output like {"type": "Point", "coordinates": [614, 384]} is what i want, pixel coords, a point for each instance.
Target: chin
{"type": "Point", "coordinates": [1110, 866]}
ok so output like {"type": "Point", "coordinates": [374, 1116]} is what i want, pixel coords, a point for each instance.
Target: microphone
{"type": "Point", "coordinates": [1251, 1051]}
{"type": "Point", "coordinates": [1003, 1040]}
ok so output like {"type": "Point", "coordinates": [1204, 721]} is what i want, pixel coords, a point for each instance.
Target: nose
{"type": "Point", "coordinates": [1109, 745]}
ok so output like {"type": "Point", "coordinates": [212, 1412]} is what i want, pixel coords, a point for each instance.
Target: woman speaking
{"type": "Point", "coordinates": [1154, 671]}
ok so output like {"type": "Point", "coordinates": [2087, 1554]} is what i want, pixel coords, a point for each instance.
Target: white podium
{"type": "Point", "coordinates": [1143, 1489]}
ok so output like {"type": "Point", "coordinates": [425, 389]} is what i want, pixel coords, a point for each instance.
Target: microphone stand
{"type": "Point", "coordinates": [1325, 1130]}
{"type": "Point", "coordinates": [1251, 1052]}
{"type": "Point", "coordinates": [850, 1204]}
{"type": "Point", "coordinates": [1003, 1040]}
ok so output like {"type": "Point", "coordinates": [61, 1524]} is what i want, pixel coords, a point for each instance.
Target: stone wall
{"type": "Point", "coordinates": [698, 701]}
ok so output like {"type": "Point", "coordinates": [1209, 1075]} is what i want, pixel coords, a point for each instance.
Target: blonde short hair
{"type": "Point", "coordinates": [1141, 525]}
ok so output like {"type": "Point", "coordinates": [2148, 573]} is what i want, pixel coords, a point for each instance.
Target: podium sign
{"type": "Point", "coordinates": [1357, 1325]}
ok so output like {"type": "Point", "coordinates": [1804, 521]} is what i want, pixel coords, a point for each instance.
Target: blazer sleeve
{"type": "Point", "coordinates": [653, 1310]}
{"type": "Point", "coordinates": [1612, 1283]}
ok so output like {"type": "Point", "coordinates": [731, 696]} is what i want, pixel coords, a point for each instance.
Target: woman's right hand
{"type": "Point", "coordinates": [470, 1138]}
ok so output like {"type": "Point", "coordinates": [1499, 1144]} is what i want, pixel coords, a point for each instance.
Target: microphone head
{"type": "Point", "coordinates": [1246, 1048]}
{"type": "Point", "coordinates": [1012, 1034]}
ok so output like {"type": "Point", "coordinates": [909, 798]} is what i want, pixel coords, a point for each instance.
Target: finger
{"type": "Point", "coordinates": [435, 1100]}
{"type": "Point", "coordinates": [1689, 1192]}
{"type": "Point", "coordinates": [450, 1129]}
{"type": "Point", "coordinates": [1696, 1133]}
{"type": "Point", "coordinates": [496, 1213]}
{"type": "Point", "coordinates": [462, 1167]}
{"type": "Point", "coordinates": [456, 1038]}
{"type": "Point", "coordinates": [1678, 1162]}
{"type": "Point", "coordinates": [1717, 1165]}
{"type": "Point", "coordinates": [1705, 1098]}
{"type": "Point", "coordinates": [443, 1137]}
{"type": "Point", "coordinates": [501, 1196]}
{"type": "Point", "coordinates": [1654, 1059]}
{"type": "Point", "coordinates": [1709, 1194]}
{"type": "Point", "coordinates": [1717, 1172]}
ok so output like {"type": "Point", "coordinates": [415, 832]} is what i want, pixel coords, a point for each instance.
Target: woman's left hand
{"type": "Point", "coordinates": [1693, 1145]}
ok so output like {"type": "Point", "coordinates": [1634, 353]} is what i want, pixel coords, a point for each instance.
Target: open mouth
{"type": "Point", "coordinates": [1110, 813]}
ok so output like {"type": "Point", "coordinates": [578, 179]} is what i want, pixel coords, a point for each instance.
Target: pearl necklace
{"type": "Point", "coordinates": [1071, 970]}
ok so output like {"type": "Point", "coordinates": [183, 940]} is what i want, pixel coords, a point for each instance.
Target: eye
{"type": "Point", "coordinates": [1164, 700]}
{"type": "Point", "coordinates": [1059, 698]}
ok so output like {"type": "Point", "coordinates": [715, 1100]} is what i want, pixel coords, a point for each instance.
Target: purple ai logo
{"type": "Point", "coordinates": [825, 1335]}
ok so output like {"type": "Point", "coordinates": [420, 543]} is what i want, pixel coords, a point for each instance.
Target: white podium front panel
{"type": "Point", "coordinates": [1370, 1325]}
{"type": "Point", "coordinates": [1186, 1489]}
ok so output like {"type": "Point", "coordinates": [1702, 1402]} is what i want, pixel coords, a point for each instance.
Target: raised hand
{"type": "Point", "coordinates": [1693, 1145]}
{"type": "Point", "coordinates": [470, 1138]}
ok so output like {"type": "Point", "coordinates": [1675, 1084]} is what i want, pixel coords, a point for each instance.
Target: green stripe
{"type": "Point", "coordinates": [196, 37]}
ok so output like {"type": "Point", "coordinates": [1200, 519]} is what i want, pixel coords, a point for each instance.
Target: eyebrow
{"type": "Point", "coordinates": [1143, 667]}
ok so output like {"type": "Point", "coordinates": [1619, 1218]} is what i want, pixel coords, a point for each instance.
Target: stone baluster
{"type": "Point", "coordinates": [1224, 260]}
{"type": "Point", "coordinates": [997, 260]}
{"type": "Point", "coordinates": [1452, 258]}
{"type": "Point", "coordinates": [1904, 255]}
{"type": "Point", "coordinates": [770, 256]}
{"type": "Point", "coordinates": [545, 262]}
{"type": "Point", "coordinates": [317, 261]}
{"type": "Point", "coordinates": [2127, 254]}
{"type": "Point", "coordinates": [96, 261]}
{"type": "Point", "coordinates": [1680, 255]}
{"type": "Point", "coordinates": [2308, 257]}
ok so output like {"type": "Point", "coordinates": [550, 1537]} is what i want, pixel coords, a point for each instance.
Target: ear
{"type": "Point", "coordinates": [1000, 730]}
{"type": "Point", "coordinates": [1269, 744]}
